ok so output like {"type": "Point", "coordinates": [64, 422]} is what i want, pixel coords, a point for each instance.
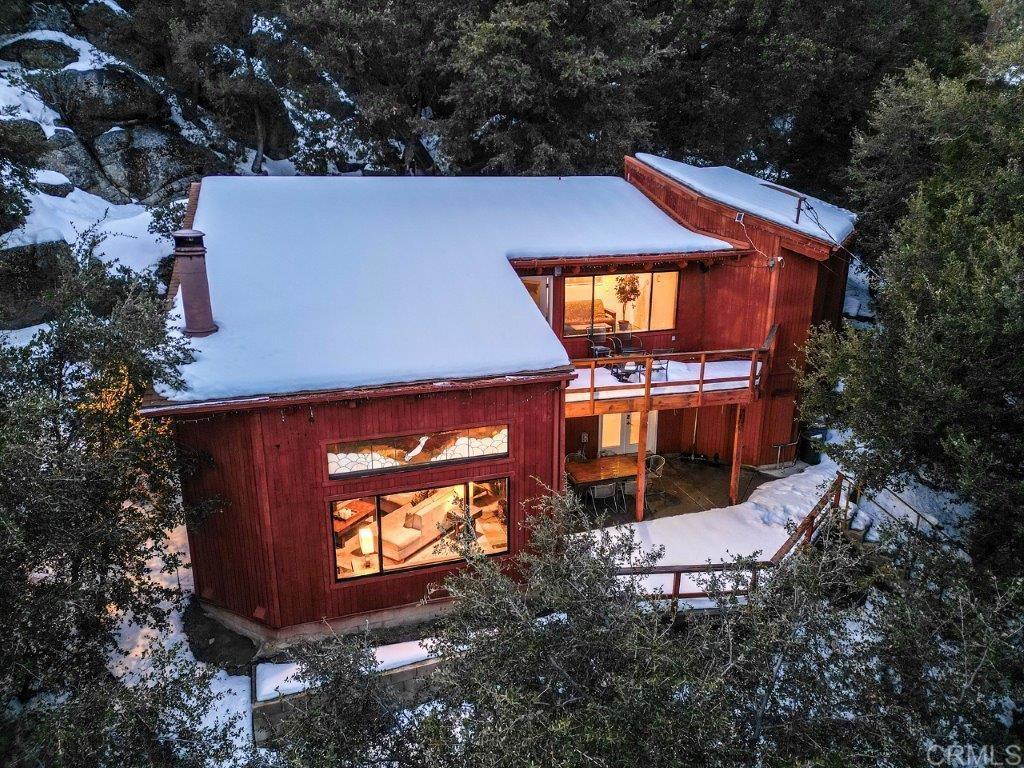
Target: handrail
{"type": "Point", "coordinates": [759, 362]}
{"type": "Point", "coordinates": [824, 509]}
{"type": "Point", "coordinates": [834, 501]}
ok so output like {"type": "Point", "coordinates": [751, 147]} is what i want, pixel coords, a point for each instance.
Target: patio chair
{"type": "Point", "coordinates": [598, 342]}
{"type": "Point", "coordinates": [627, 344]}
{"type": "Point", "coordinates": [660, 362]}
{"type": "Point", "coordinates": [602, 492]}
{"type": "Point", "coordinates": [655, 471]}
{"type": "Point", "coordinates": [627, 489]}
{"type": "Point", "coordinates": [655, 466]}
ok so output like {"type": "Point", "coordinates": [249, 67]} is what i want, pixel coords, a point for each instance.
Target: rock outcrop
{"type": "Point", "coordinates": [92, 101]}
{"type": "Point", "coordinates": [28, 276]}
{"type": "Point", "coordinates": [66, 154]}
{"type": "Point", "coordinates": [151, 164]}
{"type": "Point", "coordinates": [39, 54]}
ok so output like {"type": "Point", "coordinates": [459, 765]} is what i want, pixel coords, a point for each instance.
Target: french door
{"type": "Point", "coordinates": [620, 432]}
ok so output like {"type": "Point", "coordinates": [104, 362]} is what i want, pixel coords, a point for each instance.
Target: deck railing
{"type": "Point", "coordinates": [833, 504]}
{"type": "Point", "coordinates": [759, 362]}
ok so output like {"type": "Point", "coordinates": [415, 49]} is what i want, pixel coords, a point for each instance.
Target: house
{"type": "Point", "coordinates": [384, 364]}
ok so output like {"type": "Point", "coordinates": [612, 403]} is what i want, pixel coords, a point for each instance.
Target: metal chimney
{"type": "Point", "coordinates": [190, 263]}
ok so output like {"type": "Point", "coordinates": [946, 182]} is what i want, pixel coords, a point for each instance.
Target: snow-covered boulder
{"type": "Point", "coordinates": [28, 273]}
{"type": "Point", "coordinates": [52, 183]}
{"type": "Point", "coordinates": [66, 154]}
{"type": "Point", "coordinates": [39, 54]}
{"type": "Point", "coordinates": [92, 101]}
{"type": "Point", "coordinates": [151, 164]}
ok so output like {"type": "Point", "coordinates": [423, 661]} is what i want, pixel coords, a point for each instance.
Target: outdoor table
{"type": "Point", "coordinates": [605, 469]}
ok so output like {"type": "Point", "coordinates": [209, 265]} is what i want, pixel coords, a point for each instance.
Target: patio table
{"type": "Point", "coordinates": [604, 469]}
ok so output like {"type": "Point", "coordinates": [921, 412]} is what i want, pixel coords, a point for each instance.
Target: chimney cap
{"type": "Point", "coordinates": [188, 241]}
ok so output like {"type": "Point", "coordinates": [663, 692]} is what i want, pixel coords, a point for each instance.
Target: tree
{"type": "Point", "coordinates": [776, 88]}
{"type": "Point", "coordinates": [934, 389]}
{"type": "Point", "coordinates": [846, 658]}
{"type": "Point", "coordinates": [343, 688]}
{"type": "Point", "coordinates": [549, 87]}
{"type": "Point", "coordinates": [389, 58]}
{"type": "Point", "coordinates": [552, 659]}
{"type": "Point", "coordinates": [221, 53]}
{"type": "Point", "coordinates": [161, 718]}
{"type": "Point", "coordinates": [21, 143]}
{"type": "Point", "coordinates": [88, 488]}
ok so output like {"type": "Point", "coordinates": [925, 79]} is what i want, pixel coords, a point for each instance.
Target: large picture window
{"type": "Point", "coordinates": [414, 450]}
{"type": "Point", "coordinates": [397, 531]}
{"type": "Point", "coordinates": [634, 301]}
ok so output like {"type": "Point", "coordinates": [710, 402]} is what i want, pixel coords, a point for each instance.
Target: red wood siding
{"type": "Point", "coordinates": [574, 428]}
{"type": "Point", "coordinates": [231, 557]}
{"type": "Point", "coordinates": [247, 562]}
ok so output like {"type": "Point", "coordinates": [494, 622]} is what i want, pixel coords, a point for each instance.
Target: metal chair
{"type": "Point", "coordinates": [655, 466]}
{"type": "Point", "coordinates": [601, 492]}
{"type": "Point", "coordinates": [598, 342]}
{"type": "Point", "coordinates": [627, 489]}
{"type": "Point", "coordinates": [655, 470]}
{"type": "Point", "coordinates": [627, 343]}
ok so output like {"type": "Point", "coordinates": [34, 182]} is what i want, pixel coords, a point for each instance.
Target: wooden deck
{"type": "Point", "coordinates": [670, 380]}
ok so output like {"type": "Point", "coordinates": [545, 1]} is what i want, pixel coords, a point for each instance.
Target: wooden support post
{"type": "Point", "coordinates": [641, 448]}
{"type": "Point", "coordinates": [737, 455]}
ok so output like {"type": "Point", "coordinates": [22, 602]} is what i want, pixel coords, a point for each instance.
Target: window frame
{"type": "Point", "coordinates": [381, 572]}
{"type": "Point", "coordinates": [328, 478]}
{"type": "Point", "coordinates": [650, 307]}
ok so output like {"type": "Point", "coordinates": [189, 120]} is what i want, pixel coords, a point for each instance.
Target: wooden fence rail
{"type": "Point", "coordinates": [759, 358]}
{"type": "Point", "coordinates": [832, 502]}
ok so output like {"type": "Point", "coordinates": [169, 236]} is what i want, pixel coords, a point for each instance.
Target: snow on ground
{"type": "Point", "coordinates": [282, 679]}
{"type": "Point", "coordinates": [755, 527]}
{"type": "Point", "coordinates": [916, 504]}
{"type": "Point", "coordinates": [135, 641]}
{"type": "Point", "coordinates": [63, 218]}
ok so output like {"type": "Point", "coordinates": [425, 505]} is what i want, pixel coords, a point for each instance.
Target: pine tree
{"type": "Point", "coordinates": [776, 88]}
{"type": "Point", "coordinates": [389, 59]}
{"type": "Point", "coordinates": [549, 86]}
{"type": "Point", "coordinates": [88, 488]}
{"type": "Point", "coordinates": [934, 389]}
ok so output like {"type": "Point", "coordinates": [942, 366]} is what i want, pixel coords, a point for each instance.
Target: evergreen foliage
{"type": "Point", "coordinates": [20, 146]}
{"type": "Point", "coordinates": [550, 87]}
{"type": "Point", "coordinates": [88, 492]}
{"type": "Point", "coordinates": [158, 720]}
{"type": "Point", "coordinates": [776, 88]}
{"type": "Point", "coordinates": [839, 657]}
{"type": "Point", "coordinates": [934, 389]}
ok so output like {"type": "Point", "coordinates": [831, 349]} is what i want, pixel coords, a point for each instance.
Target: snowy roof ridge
{"type": "Point", "coordinates": [759, 197]}
{"type": "Point", "coordinates": [322, 284]}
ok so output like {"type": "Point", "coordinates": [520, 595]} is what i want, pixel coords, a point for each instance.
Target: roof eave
{"type": "Point", "coordinates": [156, 406]}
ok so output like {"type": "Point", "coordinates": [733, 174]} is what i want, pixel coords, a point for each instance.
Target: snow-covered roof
{"type": "Point", "coordinates": [758, 197]}
{"type": "Point", "coordinates": [335, 283]}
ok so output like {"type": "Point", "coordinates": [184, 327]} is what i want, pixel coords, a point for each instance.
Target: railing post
{"type": "Point", "coordinates": [641, 449]}
{"type": "Point", "coordinates": [593, 381]}
{"type": "Point", "coordinates": [753, 373]}
{"type": "Point", "coordinates": [676, 581]}
{"type": "Point", "coordinates": [811, 519]}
